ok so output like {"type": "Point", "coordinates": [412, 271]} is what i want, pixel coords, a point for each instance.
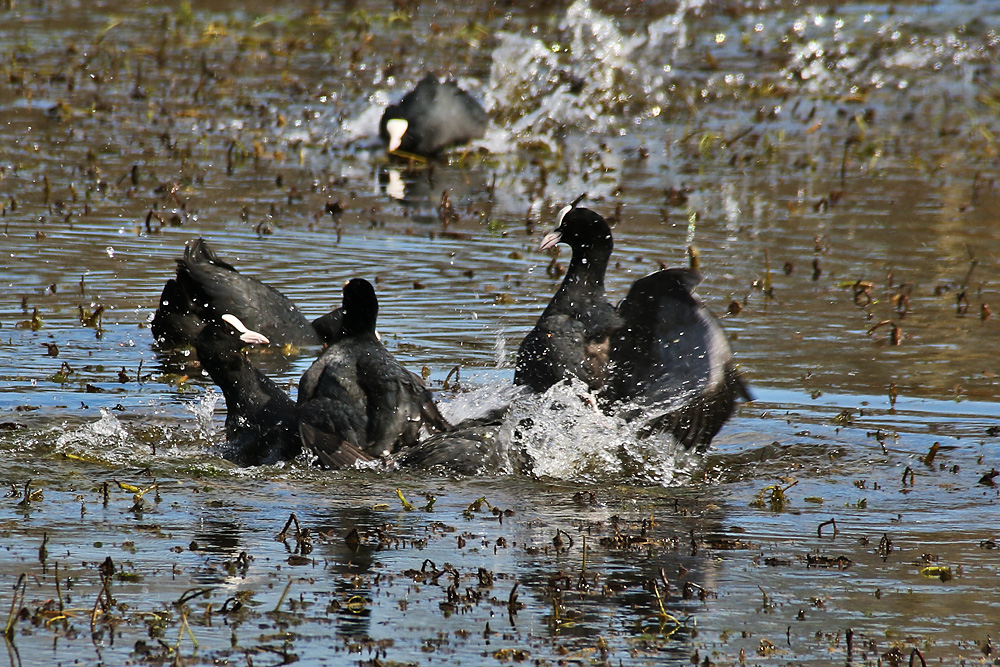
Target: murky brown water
{"type": "Point", "coordinates": [834, 170]}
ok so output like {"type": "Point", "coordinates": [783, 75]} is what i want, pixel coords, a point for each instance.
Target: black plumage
{"type": "Point", "coordinates": [261, 420]}
{"type": "Point", "coordinates": [357, 394]}
{"type": "Point", "coordinates": [432, 117]}
{"type": "Point", "coordinates": [660, 356]}
{"type": "Point", "coordinates": [572, 335]}
{"type": "Point", "coordinates": [670, 363]}
{"type": "Point", "coordinates": [355, 403]}
{"type": "Point", "coordinates": [206, 287]}
{"type": "Point", "coordinates": [475, 446]}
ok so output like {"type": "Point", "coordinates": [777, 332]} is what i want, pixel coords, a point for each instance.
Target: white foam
{"type": "Point", "coordinates": [106, 440]}
{"type": "Point", "coordinates": [570, 439]}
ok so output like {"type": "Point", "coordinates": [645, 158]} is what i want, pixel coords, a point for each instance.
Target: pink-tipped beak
{"type": "Point", "coordinates": [550, 240]}
{"type": "Point", "coordinates": [254, 338]}
{"type": "Point", "coordinates": [246, 335]}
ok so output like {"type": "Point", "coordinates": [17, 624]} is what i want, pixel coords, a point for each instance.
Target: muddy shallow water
{"type": "Point", "coordinates": [835, 171]}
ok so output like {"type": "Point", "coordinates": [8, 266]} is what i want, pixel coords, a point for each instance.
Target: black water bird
{"type": "Point", "coordinates": [432, 117]}
{"type": "Point", "coordinates": [206, 287]}
{"type": "Point", "coordinates": [670, 363]}
{"type": "Point", "coordinates": [261, 419]}
{"type": "Point", "coordinates": [660, 356]}
{"type": "Point", "coordinates": [356, 394]}
{"type": "Point", "coordinates": [572, 335]}
{"type": "Point", "coordinates": [474, 446]}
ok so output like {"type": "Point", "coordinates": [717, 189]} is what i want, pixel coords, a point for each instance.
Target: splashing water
{"type": "Point", "coordinates": [569, 438]}
{"type": "Point", "coordinates": [479, 402]}
{"type": "Point", "coordinates": [105, 440]}
{"type": "Point", "coordinates": [500, 350]}
{"type": "Point", "coordinates": [204, 411]}
{"type": "Point", "coordinates": [672, 25]}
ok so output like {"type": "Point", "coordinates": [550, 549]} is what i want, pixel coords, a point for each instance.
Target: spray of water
{"type": "Point", "coordinates": [106, 440]}
{"type": "Point", "coordinates": [204, 411]}
{"type": "Point", "coordinates": [569, 438]}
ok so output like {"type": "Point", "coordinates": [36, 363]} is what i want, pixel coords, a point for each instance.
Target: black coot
{"type": "Point", "coordinates": [660, 350]}
{"type": "Point", "coordinates": [671, 361]}
{"type": "Point", "coordinates": [572, 336]}
{"type": "Point", "coordinates": [431, 117]}
{"type": "Point", "coordinates": [475, 446]}
{"type": "Point", "coordinates": [357, 395]}
{"type": "Point", "coordinates": [206, 287]}
{"type": "Point", "coordinates": [261, 420]}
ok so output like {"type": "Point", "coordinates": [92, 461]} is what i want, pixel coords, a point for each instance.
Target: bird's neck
{"type": "Point", "coordinates": [586, 269]}
{"type": "Point", "coordinates": [359, 333]}
{"type": "Point", "coordinates": [235, 375]}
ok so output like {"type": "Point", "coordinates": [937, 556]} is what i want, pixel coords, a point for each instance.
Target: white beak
{"type": "Point", "coordinates": [246, 335]}
{"type": "Point", "coordinates": [396, 127]}
{"type": "Point", "coordinates": [550, 240]}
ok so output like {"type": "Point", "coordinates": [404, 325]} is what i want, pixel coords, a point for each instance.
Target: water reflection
{"type": "Point", "coordinates": [436, 193]}
{"type": "Point", "coordinates": [350, 541]}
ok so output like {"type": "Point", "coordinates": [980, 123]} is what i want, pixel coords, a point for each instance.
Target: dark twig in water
{"type": "Point", "coordinates": [739, 135]}
{"type": "Point", "coordinates": [831, 522]}
{"type": "Point", "coordinates": [192, 593]}
{"type": "Point", "coordinates": [895, 335]}
{"type": "Point", "coordinates": [512, 604]}
{"type": "Point", "coordinates": [22, 583]}
{"type": "Point", "coordinates": [558, 543]}
{"type": "Point", "coordinates": [284, 594]}
{"type": "Point", "coordinates": [885, 547]}
{"type": "Point", "coordinates": [283, 535]}
{"type": "Point", "coordinates": [447, 378]}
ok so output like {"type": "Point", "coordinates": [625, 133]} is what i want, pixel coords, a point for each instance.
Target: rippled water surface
{"type": "Point", "coordinates": [834, 169]}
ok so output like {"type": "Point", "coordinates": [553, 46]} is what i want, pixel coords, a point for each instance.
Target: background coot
{"type": "Point", "coordinates": [431, 117]}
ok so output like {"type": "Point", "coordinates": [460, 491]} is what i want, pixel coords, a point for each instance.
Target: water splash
{"type": "Point", "coordinates": [563, 435]}
{"type": "Point", "coordinates": [824, 58]}
{"type": "Point", "coordinates": [105, 440]}
{"type": "Point", "coordinates": [479, 402]}
{"type": "Point", "coordinates": [204, 412]}
{"type": "Point", "coordinates": [500, 350]}
{"type": "Point", "coordinates": [569, 438]}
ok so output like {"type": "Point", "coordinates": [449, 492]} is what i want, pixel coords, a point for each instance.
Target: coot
{"type": "Point", "coordinates": [431, 117]}
{"type": "Point", "coordinates": [261, 420]}
{"type": "Point", "coordinates": [206, 287]}
{"type": "Point", "coordinates": [670, 363]}
{"type": "Point", "coordinates": [572, 336]}
{"type": "Point", "coordinates": [356, 394]}
{"type": "Point", "coordinates": [660, 354]}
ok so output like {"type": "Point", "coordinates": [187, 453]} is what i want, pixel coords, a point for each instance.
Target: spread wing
{"type": "Point", "coordinates": [671, 358]}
